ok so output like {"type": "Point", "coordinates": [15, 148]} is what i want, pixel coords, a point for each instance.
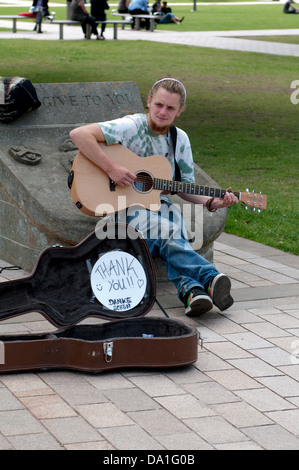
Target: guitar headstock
{"type": "Point", "coordinates": [255, 200]}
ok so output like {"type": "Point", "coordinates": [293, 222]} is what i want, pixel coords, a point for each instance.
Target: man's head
{"type": "Point", "coordinates": [165, 103]}
{"type": "Point", "coordinates": [173, 86]}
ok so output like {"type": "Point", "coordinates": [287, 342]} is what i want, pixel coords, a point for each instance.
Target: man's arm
{"type": "Point", "coordinates": [81, 4]}
{"type": "Point", "coordinates": [218, 203]}
{"type": "Point", "coordinates": [87, 140]}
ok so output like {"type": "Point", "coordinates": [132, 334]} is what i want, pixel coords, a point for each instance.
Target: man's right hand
{"type": "Point", "coordinates": [121, 175]}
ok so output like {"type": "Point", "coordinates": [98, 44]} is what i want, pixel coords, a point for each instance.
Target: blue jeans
{"type": "Point", "coordinates": [166, 18]}
{"type": "Point", "coordinates": [166, 236]}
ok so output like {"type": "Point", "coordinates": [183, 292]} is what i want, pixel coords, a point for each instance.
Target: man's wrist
{"type": "Point", "coordinates": [209, 205]}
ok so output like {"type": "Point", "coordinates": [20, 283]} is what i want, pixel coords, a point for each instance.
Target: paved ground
{"type": "Point", "coordinates": [231, 40]}
{"type": "Point", "coordinates": [242, 393]}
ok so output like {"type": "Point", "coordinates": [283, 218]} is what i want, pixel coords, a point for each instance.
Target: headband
{"type": "Point", "coordinates": [173, 80]}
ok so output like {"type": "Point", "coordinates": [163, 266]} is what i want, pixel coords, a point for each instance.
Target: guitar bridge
{"type": "Point", "coordinates": [112, 185]}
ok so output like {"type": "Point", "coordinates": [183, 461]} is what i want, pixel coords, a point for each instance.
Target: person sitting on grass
{"type": "Point", "coordinates": [167, 15]}
{"type": "Point", "coordinates": [289, 8]}
{"type": "Point", "coordinates": [170, 18]}
{"type": "Point", "coordinates": [165, 9]}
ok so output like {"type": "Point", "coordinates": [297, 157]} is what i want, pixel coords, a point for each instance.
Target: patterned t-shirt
{"type": "Point", "coordinates": [133, 132]}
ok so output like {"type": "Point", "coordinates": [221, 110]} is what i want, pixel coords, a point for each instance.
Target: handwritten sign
{"type": "Point", "coordinates": [118, 281]}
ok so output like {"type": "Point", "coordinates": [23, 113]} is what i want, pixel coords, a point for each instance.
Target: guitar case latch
{"type": "Point", "coordinates": [108, 351]}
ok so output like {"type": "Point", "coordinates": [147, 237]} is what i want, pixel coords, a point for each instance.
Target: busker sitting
{"type": "Point", "coordinates": [199, 284]}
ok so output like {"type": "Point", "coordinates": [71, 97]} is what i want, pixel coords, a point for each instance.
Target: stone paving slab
{"type": "Point", "coordinates": [242, 392]}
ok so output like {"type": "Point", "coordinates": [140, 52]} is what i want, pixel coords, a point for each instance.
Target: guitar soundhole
{"type": "Point", "coordinates": [143, 182]}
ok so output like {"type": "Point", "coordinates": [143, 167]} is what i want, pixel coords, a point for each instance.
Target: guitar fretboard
{"type": "Point", "coordinates": [189, 188]}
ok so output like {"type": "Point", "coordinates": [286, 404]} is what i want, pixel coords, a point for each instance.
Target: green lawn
{"type": "Point", "coordinates": [239, 116]}
{"type": "Point", "coordinates": [209, 17]}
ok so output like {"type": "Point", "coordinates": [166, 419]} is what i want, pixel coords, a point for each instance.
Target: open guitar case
{"type": "Point", "coordinates": [59, 288]}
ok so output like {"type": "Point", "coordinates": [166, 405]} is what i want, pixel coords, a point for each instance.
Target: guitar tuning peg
{"type": "Point", "coordinates": [259, 211]}
{"type": "Point", "coordinates": [246, 208]}
{"type": "Point", "coordinates": [253, 190]}
{"type": "Point", "coordinates": [247, 190]}
{"type": "Point", "coordinates": [253, 209]}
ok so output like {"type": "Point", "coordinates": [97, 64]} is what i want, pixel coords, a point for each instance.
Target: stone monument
{"type": "Point", "coordinates": [36, 155]}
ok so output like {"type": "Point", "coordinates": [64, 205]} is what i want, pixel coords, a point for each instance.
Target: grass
{"type": "Point", "coordinates": [285, 39]}
{"type": "Point", "coordinates": [210, 17]}
{"type": "Point", "coordinates": [241, 122]}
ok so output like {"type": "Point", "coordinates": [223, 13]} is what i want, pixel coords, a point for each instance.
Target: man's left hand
{"type": "Point", "coordinates": [229, 200]}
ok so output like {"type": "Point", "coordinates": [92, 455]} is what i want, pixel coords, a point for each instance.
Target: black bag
{"type": "Point", "coordinates": [17, 96]}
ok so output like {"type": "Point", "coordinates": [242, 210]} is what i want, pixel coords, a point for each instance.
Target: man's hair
{"type": "Point", "coordinates": [172, 85]}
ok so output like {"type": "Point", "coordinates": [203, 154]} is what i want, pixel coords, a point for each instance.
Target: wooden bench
{"type": "Point", "coordinates": [115, 23]}
{"type": "Point", "coordinates": [152, 19]}
{"type": "Point", "coordinates": [124, 16]}
{"type": "Point", "coordinates": [14, 19]}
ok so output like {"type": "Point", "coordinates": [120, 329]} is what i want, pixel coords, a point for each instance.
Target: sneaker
{"type": "Point", "coordinates": [197, 302]}
{"type": "Point", "coordinates": [219, 291]}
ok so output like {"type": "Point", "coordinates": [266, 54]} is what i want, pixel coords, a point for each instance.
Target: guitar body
{"type": "Point", "coordinates": [94, 193]}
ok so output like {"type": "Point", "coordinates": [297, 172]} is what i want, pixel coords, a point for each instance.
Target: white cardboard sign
{"type": "Point", "coordinates": [118, 280]}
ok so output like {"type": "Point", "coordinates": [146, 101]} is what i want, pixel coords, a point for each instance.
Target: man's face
{"type": "Point", "coordinates": [163, 109]}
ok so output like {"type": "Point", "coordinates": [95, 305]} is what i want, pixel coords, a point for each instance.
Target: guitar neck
{"type": "Point", "coordinates": [190, 188]}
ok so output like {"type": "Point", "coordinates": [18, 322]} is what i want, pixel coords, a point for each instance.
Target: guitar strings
{"type": "Point", "coordinates": [145, 182]}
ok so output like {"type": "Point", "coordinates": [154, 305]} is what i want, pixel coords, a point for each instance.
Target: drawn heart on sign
{"type": "Point", "coordinates": [140, 282]}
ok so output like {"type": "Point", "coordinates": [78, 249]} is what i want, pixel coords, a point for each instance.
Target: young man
{"type": "Point", "coordinates": [290, 8]}
{"type": "Point", "coordinates": [198, 283]}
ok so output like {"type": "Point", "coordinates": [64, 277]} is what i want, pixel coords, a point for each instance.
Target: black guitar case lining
{"type": "Point", "coordinates": [59, 287]}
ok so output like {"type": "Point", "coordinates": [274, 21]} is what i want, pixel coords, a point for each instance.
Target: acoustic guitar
{"type": "Point", "coordinates": [95, 194]}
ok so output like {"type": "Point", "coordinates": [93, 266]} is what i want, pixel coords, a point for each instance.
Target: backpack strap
{"type": "Point", "coordinates": [161, 308]}
{"type": "Point", "coordinates": [173, 134]}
